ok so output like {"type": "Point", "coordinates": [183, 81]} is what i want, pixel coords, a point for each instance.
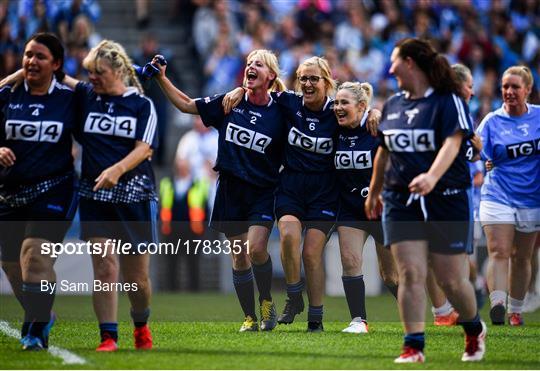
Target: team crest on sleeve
{"type": "Point", "coordinates": [101, 123]}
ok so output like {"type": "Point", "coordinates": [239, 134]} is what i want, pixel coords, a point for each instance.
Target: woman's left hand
{"type": "Point", "coordinates": [373, 120]}
{"type": "Point", "coordinates": [423, 184]}
{"type": "Point", "coordinates": [108, 178]}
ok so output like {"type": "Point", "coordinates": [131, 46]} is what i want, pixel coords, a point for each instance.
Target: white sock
{"type": "Point", "coordinates": [515, 305]}
{"type": "Point", "coordinates": [497, 297]}
{"type": "Point", "coordinates": [443, 310]}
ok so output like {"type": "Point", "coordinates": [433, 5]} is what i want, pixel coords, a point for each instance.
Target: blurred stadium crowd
{"type": "Point", "coordinates": [356, 36]}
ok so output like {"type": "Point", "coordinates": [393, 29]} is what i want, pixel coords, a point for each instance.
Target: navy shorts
{"type": "Point", "coordinates": [239, 205]}
{"type": "Point", "coordinates": [134, 223]}
{"type": "Point", "coordinates": [48, 217]}
{"type": "Point", "coordinates": [311, 197]}
{"type": "Point", "coordinates": [444, 220]}
{"type": "Point", "coordinates": [351, 213]}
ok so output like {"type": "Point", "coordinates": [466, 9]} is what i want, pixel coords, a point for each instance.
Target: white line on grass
{"type": "Point", "coordinates": [67, 357]}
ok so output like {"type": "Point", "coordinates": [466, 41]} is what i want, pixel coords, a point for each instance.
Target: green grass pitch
{"type": "Point", "coordinates": [200, 331]}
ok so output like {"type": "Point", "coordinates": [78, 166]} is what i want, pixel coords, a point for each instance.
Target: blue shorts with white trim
{"type": "Point", "coordinates": [445, 220]}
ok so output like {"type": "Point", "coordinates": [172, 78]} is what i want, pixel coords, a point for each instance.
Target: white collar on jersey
{"type": "Point", "coordinates": [130, 90]}
{"type": "Point", "coordinates": [506, 114]}
{"type": "Point", "coordinates": [364, 117]}
{"type": "Point", "coordinates": [51, 87]}
{"type": "Point", "coordinates": [328, 101]}
{"type": "Point", "coordinates": [269, 103]}
{"type": "Point", "coordinates": [428, 92]}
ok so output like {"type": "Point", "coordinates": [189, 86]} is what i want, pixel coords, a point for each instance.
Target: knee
{"type": "Point", "coordinates": [351, 262]}
{"type": "Point", "coordinates": [498, 250]}
{"type": "Point", "coordinates": [33, 263]}
{"type": "Point", "coordinates": [312, 259]}
{"type": "Point", "coordinates": [106, 270]}
{"type": "Point", "coordinates": [140, 279]}
{"type": "Point", "coordinates": [412, 275]}
{"type": "Point", "coordinates": [452, 285]}
{"type": "Point", "coordinates": [288, 235]}
{"type": "Point", "coordinates": [257, 252]}
{"type": "Point", "coordinates": [241, 261]}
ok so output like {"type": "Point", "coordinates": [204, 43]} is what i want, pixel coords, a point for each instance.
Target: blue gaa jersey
{"type": "Point", "coordinates": [251, 139]}
{"type": "Point", "coordinates": [356, 149]}
{"type": "Point", "coordinates": [38, 129]}
{"type": "Point", "coordinates": [311, 136]}
{"type": "Point", "coordinates": [414, 130]}
{"type": "Point", "coordinates": [513, 144]}
{"type": "Point", "coordinates": [111, 127]}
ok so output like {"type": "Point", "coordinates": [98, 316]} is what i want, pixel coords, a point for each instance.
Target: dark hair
{"type": "Point", "coordinates": [435, 65]}
{"type": "Point", "coordinates": [55, 47]}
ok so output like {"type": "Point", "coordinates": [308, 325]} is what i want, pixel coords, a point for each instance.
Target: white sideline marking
{"type": "Point", "coordinates": [67, 357]}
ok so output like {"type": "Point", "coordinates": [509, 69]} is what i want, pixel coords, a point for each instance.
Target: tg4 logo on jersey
{"type": "Point", "coordinates": [323, 146]}
{"type": "Point", "coordinates": [34, 131]}
{"type": "Point", "coordinates": [102, 123]}
{"type": "Point", "coordinates": [353, 160]}
{"type": "Point", "coordinates": [247, 138]}
{"type": "Point", "coordinates": [528, 148]}
{"type": "Point", "coordinates": [410, 140]}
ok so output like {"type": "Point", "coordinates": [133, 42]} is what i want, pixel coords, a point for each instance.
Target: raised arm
{"type": "Point", "coordinates": [177, 97]}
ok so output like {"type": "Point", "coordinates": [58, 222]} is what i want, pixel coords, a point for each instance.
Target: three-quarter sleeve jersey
{"type": "Point", "coordinates": [413, 131]}
{"type": "Point", "coordinates": [311, 136]}
{"type": "Point", "coordinates": [111, 127]}
{"type": "Point", "coordinates": [38, 129]}
{"type": "Point", "coordinates": [356, 149]}
{"type": "Point", "coordinates": [251, 138]}
{"type": "Point", "coordinates": [513, 144]}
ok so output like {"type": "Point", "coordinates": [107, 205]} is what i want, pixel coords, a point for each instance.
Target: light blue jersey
{"type": "Point", "coordinates": [513, 144]}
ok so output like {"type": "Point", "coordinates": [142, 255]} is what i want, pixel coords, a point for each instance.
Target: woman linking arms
{"type": "Point", "coordinates": [355, 152]}
{"type": "Point", "coordinates": [250, 148]}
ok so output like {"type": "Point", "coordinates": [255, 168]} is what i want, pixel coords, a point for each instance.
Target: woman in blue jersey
{"type": "Point", "coordinates": [510, 197]}
{"type": "Point", "coordinates": [443, 312]}
{"type": "Point", "coordinates": [37, 191]}
{"type": "Point", "coordinates": [118, 200]}
{"type": "Point", "coordinates": [251, 140]}
{"type": "Point", "coordinates": [355, 152]}
{"type": "Point", "coordinates": [426, 213]}
{"type": "Point", "coordinates": [307, 196]}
